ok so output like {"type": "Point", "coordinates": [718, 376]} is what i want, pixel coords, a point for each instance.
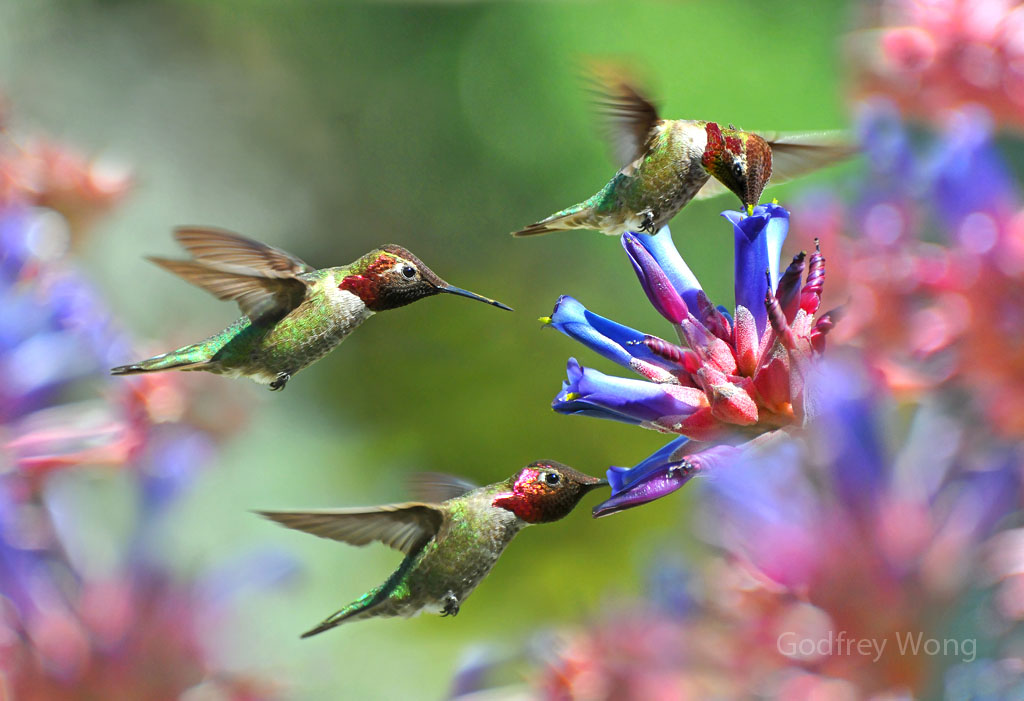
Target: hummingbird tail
{"type": "Point", "coordinates": [188, 358]}
{"type": "Point", "coordinates": [365, 607]}
{"type": "Point", "coordinates": [576, 217]}
{"type": "Point", "coordinates": [534, 230]}
{"type": "Point", "coordinates": [377, 602]}
{"type": "Point", "coordinates": [335, 620]}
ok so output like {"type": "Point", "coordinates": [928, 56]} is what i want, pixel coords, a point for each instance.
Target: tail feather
{"type": "Point", "coordinates": [573, 218]}
{"type": "Point", "coordinates": [187, 358]}
{"type": "Point", "coordinates": [534, 230]}
{"type": "Point", "coordinates": [350, 611]}
{"type": "Point", "coordinates": [373, 603]}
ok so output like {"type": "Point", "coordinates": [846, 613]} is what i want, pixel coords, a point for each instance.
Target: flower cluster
{"type": "Point", "coordinates": [86, 610]}
{"type": "Point", "coordinates": [732, 377]}
{"type": "Point", "coordinates": [931, 56]}
{"type": "Point", "coordinates": [844, 569]}
{"type": "Point", "coordinates": [933, 271]}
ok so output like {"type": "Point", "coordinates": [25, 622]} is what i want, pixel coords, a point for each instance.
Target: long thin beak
{"type": "Point", "coordinates": [596, 484]}
{"type": "Point", "coordinates": [472, 295]}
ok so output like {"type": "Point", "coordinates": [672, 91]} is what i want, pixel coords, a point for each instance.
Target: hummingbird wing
{"type": "Point", "coordinates": [795, 155]}
{"type": "Point", "coordinates": [438, 486]}
{"type": "Point", "coordinates": [257, 296]}
{"type": "Point", "coordinates": [219, 247]}
{"type": "Point", "coordinates": [404, 527]}
{"type": "Point", "coordinates": [263, 280]}
{"type": "Point", "coordinates": [630, 117]}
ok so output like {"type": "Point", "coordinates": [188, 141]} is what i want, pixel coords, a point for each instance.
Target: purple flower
{"type": "Point", "coordinates": [662, 473]}
{"type": "Point", "coordinates": [672, 265]}
{"type": "Point", "coordinates": [655, 281]}
{"type": "Point", "coordinates": [592, 393]}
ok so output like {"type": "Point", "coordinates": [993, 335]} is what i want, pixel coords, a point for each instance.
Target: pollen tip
{"type": "Point", "coordinates": [750, 210]}
{"type": "Point", "coordinates": [544, 319]}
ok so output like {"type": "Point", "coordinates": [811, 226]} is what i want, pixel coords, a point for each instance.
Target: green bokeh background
{"type": "Point", "coordinates": [329, 128]}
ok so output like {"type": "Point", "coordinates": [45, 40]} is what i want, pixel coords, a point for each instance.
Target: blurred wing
{"type": "Point", "coordinates": [630, 117]}
{"type": "Point", "coordinates": [794, 155]}
{"type": "Point", "coordinates": [257, 296]}
{"type": "Point", "coordinates": [217, 247]}
{"type": "Point", "coordinates": [712, 188]}
{"type": "Point", "coordinates": [404, 527]}
{"type": "Point", "coordinates": [438, 487]}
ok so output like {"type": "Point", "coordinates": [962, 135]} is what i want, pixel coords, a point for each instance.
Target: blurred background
{"type": "Point", "coordinates": [327, 129]}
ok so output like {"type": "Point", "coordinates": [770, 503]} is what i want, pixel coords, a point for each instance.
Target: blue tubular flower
{"type": "Point", "coordinates": [664, 252]}
{"type": "Point", "coordinates": [658, 475]}
{"type": "Point", "coordinates": [656, 283]}
{"type": "Point", "coordinates": [605, 337]}
{"type": "Point", "coordinates": [759, 239]}
{"type": "Point", "coordinates": [592, 393]}
{"type": "Point", "coordinates": [621, 477]}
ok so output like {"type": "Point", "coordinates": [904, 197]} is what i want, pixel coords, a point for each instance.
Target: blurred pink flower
{"type": "Point", "coordinates": [134, 629]}
{"type": "Point", "coordinates": [934, 264]}
{"type": "Point", "coordinates": [934, 55]}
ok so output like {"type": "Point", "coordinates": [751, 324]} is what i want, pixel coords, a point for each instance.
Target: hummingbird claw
{"type": "Point", "coordinates": [451, 605]}
{"type": "Point", "coordinates": [280, 382]}
{"type": "Point", "coordinates": [683, 468]}
{"type": "Point", "coordinates": [647, 225]}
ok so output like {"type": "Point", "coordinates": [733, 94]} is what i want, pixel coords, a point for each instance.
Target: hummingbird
{"type": "Point", "coordinates": [450, 541]}
{"type": "Point", "coordinates": [669, 162]}
{"type": "Point", "coordinates": [293, 313]}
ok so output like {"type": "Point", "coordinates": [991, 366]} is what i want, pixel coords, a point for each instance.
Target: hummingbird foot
{"type": "Point", "coordinates": [683, 468]}
{"type": "Point", "coordinates": [647, 221]}
{"type": "Point", "coordinates": [451, 605]}
{"type": "Point", "coordinates": [280, 382]}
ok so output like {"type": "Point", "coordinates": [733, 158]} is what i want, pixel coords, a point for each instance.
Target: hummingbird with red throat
{"type": "Point", "coordinates": [668, 162]}
{"type": "Point", "coordinates": [293, 313]}
{"type": "Point", "coordinates": [451, 540]}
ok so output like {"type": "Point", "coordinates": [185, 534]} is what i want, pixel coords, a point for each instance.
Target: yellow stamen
{"type": "Point", "coordinates": [572, 396]}
{"type": "Point", "coordinates": [544, 319]}
{"type": "Point", "coordinates": [750, 210]}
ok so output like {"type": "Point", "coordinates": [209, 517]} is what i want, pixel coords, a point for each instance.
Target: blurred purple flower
{"type": "Point", "coordinates": [70, 627]}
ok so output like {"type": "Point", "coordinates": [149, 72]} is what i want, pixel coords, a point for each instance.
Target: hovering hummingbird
{"type": "Point", "coordinates": [449, 546]}
{"type": "Point", "coordinates": [293, 313]}
{"type": "Point", "coordinates": [668, 162]}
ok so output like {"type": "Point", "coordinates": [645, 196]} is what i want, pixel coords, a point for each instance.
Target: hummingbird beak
{"type": "Point", "coordinates": [450, 289]}
{"type": "Point", "coordinates": [595, 484]}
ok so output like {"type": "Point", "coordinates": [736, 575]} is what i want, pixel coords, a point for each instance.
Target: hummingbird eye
{"type": "Point", "coordinates": [552, 478]}
{"type": "Point", "coordinates": [408, 272]}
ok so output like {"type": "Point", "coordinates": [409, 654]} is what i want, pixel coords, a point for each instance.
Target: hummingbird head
{"type": "Point", "coordinates": [390, 277]}
{"type": "Point", "coordinates": [546, 491]}
{"type": "Point", "coordinates": [740, 160]}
